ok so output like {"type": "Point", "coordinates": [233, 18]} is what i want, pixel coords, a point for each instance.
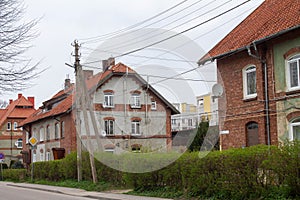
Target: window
{"type": "Point", "coordinates": [48, 156]}
{"type": "Point", "coordinates": [135, 127]}
{"type": "Point", "coordinates": [42, 134]}
{"type": "Point", "coordinates": [108, 100]}
{"type": "Point", "coordinates": [56, 131]}
{"type": "Point", "coordinates": [249, 77]}
{"type": "Point", "coordinates": [48, 133]}
{"type": "Point", "coordinates": [293, 72]}
{"type": "Point", "coordinates": [295, 130]}
{"type": "Point", "coordinates": [8, 125]}
{"type": "Point", "coordinates": [62, 129]}
{"type": "Point", "coordinates": [136, 148]}
{"type": "Point", "coordinates": [135, 100]}
{"type": "Point", "coordinates": [19, 143]}
{"type": "Point", "coordinates": [173, 121]}
{"type": "Point", "coordinates": [153, 105]}
{"type": "Point", "coordinates": [27, 137]}
{"type": "Point", "coordinates": [190, 122]}
{"type": "Point", "coordinates": [109, 127]}
{"type": "Point", "coordinates": [42, 156]}
{"type": "Point", "coordinates": [15, 125]}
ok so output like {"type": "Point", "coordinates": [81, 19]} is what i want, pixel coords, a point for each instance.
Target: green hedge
{"type": "Point", "coordinates": [253, 172]}
{"type": "Point", "coordinates": [15, 174]}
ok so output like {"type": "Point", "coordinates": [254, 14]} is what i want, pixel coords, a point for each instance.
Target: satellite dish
{"type": "Point", "coordinates": [103, 133]}
{"type": "Point", "coordinates": [217, 90]}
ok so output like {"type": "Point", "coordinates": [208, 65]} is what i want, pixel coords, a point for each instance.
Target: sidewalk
{"type": "Point", "coordinates": [80, 192]}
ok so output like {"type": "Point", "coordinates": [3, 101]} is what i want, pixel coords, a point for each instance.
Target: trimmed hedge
{"type": "Point", "coordinates": [15, 174]}
{"type": "Point", "coordinates": [249, 173]}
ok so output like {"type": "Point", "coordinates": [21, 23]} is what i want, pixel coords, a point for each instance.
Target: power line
{"type": "Point", "coordinates": [128, 43]}
{"type": "Point", "coordinates": [189, 29]}
{"type": "Point", "coordinates": [138, 56]}
{"type": "Point", "coordinates": [157, 57]}
{"type": "Point", "coordinates": [91, 39]}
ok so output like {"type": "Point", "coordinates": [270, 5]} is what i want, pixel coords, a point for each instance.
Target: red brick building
{"type": "Point", "coordinates": [258, 66]}
{"type": "Point", "coordinates": [11, 141]}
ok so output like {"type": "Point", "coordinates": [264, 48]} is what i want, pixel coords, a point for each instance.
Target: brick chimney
{"type": "Point", "coordinates": [31, 99]}
{"type": "Point", "coordinates": [10, 101]}
{"type": "Point", "coordinates": [19, 95]}
{"type": "Point", "coordinates": [107, 63]}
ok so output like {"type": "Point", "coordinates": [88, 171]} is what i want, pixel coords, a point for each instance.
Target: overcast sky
{"type": "Point", "coordinates": [63, 21]}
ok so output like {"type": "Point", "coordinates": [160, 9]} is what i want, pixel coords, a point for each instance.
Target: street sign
{"type": "Point", "coordinates": [33, 141]}
{"type": "Point", "coordinates": [2, 156]}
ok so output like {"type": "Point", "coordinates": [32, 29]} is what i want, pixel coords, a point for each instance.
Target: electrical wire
{"type": "Point", "coordinates": [142, 39]}
{"type": "Point", "coordinates": [92, 39]}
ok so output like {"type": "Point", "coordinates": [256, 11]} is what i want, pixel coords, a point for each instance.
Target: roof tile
{"type": "Point", "coordinates": [271, 17]}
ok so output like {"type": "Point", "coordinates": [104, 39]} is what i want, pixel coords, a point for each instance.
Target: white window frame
{"type": "Point", "coordinates": [108, 100]}
{"type": "Point", "coordinates": [15, 125]}
{"type": "Point", "coordinates": [291, 134]}
{"type": "Point", "coordinates": [56, 131]}
{"type": "Point", "coordinates": [48, 156]}
{"type": "Point", "coordinates": [42, 134]}
{"type": "Point", "coordinates": [107, 122]}
{"type": "Point", "coordinates": [135, 127]}
{"type": "Point", "coordinates": [48, 133]}
{"type": "Point", "coordinates": [19, 143]}
{"type": "Point", "coordinates": [294, 58]}
{"type": "Point", "coordinates": [27, 137]}
{"type": "Point", "coordinates": [42, 157]}
{"type": "Point", "coordinates": [8, 126]}
{"type": "Point", "coordinates": [246, 71]}
{"type": "Point", "coordinates": [62, 131]}
{"type": "Point", "coordinates": [135, 100]}
{"type": "Point", "coordinates": [153, 105]}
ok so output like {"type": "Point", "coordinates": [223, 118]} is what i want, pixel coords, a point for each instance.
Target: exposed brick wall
{"type": "Point", "coordinates": [235, 111]}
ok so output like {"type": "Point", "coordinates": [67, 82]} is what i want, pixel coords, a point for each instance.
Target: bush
{"type": "Point", "coordinates": [15, 175]}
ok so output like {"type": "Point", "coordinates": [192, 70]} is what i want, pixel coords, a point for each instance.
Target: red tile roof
{"type": "Point", "coordinates": [66, 104]}
{"type": "Point", "coordinates": [12, 111]}
{"type": "Point", "coordinates": [270, 18]}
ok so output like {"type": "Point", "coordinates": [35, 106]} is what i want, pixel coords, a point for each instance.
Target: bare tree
{"type": "Point", "coordinates": [16, 70]}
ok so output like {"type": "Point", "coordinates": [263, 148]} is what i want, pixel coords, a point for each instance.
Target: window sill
{"type": "Point", "coordinates": [293, 91]}
{"type": "Point", "coordinates": [108, 106]}
{"type": "Point", "coordinates": [135, 107]}
{"type": "Point", "coordinates": [250, 99]}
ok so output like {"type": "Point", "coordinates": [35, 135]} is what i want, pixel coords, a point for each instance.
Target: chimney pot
{"type": "Point", "coordinates": [10, 101]}
{"type": "Point", "coordinates": [19, 95]}
{"type": "Point", "coordinates": [67, 83]}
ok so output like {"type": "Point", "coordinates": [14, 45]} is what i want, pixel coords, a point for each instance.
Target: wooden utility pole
{"type": "Point", "coordinates": [83, 99]}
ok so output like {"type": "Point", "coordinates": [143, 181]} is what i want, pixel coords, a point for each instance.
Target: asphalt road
{"type": "Point", "coordinates": [16, 193]}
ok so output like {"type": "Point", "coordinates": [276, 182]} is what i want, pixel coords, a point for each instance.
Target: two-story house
{"type": "Point", "coordinates": [130, 114]}
{"type": "Point", "coordinates": [11, 141]}
{"type": "Point", "coordinates": [258, 66]}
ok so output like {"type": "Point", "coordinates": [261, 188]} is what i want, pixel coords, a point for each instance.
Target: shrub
{"type": "Point", "coordinates": [15, 175]}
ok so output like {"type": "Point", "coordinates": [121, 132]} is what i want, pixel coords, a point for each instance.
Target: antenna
{"type": "Point", "coordinates": [217, 91]}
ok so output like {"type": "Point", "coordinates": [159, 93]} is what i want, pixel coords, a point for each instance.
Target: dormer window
{"type": "Point", "coordinates": [108, 100]}
{"type": "Point", "coordinates": [135, 100]}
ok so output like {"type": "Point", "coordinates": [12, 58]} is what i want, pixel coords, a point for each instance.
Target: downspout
{"type": "Point", "coordinates": [265, 68]}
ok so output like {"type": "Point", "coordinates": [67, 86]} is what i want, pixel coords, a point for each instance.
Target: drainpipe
{"type": "Point", "coordinates": [265, 68]}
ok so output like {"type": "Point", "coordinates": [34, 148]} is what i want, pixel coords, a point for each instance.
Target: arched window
{"type": "Point", "coordinates": [249, 82]}
{"type": "Point", "coordinates": [294, 132]}
{"type": "Point", "coordinates": [252, 134]}
{"type": "Point", "coordinates": [293, 72]}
